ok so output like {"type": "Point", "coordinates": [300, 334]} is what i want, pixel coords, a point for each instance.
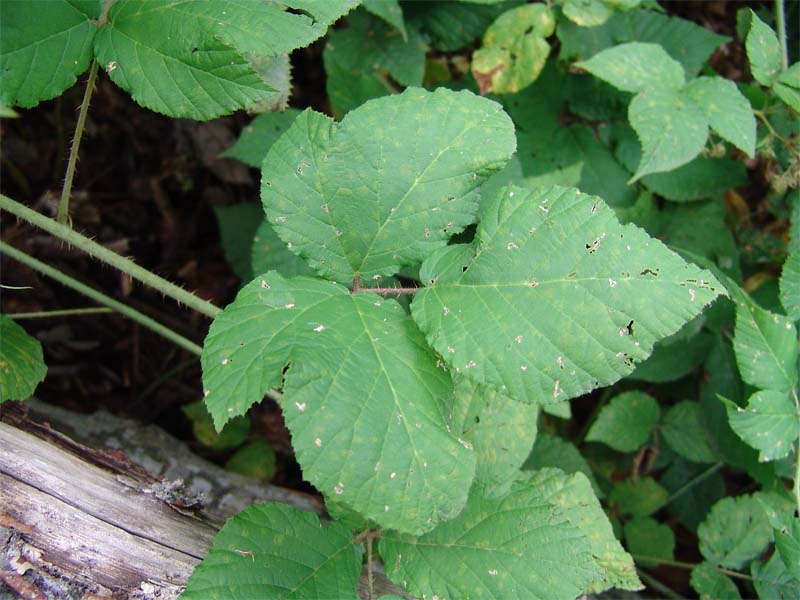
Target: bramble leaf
{"type": "Point", "coordinates": [787, 87]}
{"type": "Point", "coordinates": [363, 396]}
{"type": "Point", "coordinates": [554, 297]}
{"type": "Point", "coordinates": [639, 498]}
{"type": "Point", "coordinates": [520, 546]}
{"type": "Point", "coordinates": [587, 13]}
{"type": "Point", "coordinates": [269, 253]}
{"type": "Point", "coordinates": [636, 67]}
{"type": "Point", "coordinates": [734, 532]}
{"type": "Point", "coordinates": [237, 226]}
{"type": "Point", "coordinates": [556, 452]}
{"type": "Point", "coordinates": [790, 285]}
{"type": "Point", "coordinates": [770, 423]}
{"type": "Point", "coordinates": [626, 422]}
{"type": "Point", "coordinates": [685, 431]}
{"type": "Point", "coordinates": [390, 11]}
{"type": "Point", "coordinates": [501, 430]}
{"type": "Point", "coordinates": [763, 51]}
{"type": "Point", "coordinates": [22, 365]}
{"type": "Point", "coordinates": [788, 544]}
{"type": "Point", "coordinates": [647, 537]}
{"type": "Point", "coordinates": [451, 25]}
{"type": "Point", "coordinates": [42, 52]}
{"type": "Point", "coordinates": [356, 198]}
{"type": "Point", "coordinates": [766, 347]}
{"type": "Point", "coordinates": [514, 49]}
{"type": "Point", "coordinates": [672, 130]}
{"type": "Point", "coordinates": [275, 551]}
{"type": "Point", "coordinates": [187, 59]}
{"type": "Point", "coordinates": [728, 112]}
{"type": "Point", "coordinates": [773, 580]}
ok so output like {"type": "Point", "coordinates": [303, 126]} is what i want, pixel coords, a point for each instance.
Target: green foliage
{"type": "Point", "coordinates": [626, 422]}
{"type": "Point", "coordinates": [299, 558]}
{"type": "Point", "coordinates": [735, 532]}
{"type": "Point", "coordinates": [638, 498]}
{"type": "Point", "coordinates": [22, 365]}
{"type": "Point", "coordinates": [256, 460]}
{"type": "Point", "coordinates": [648, 537]}
{"type": "Point", "coordinates": [257, 138]}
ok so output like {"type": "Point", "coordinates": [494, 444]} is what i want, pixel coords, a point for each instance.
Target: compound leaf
{"type": "Point", "coordinates": [514, 49]}
{"type": "Point", "coordinates": [773, 580]}
{"type": "Point", "coordinates": [734, 532]}
{"type": "Point", "coordinates": [726, 109]}
{"type": "Point", "coordinates": [787, 541]}
{"type": "Point", "coordinates": [237, 226]}
{"type": "Point", "coordinates": [763, 51]}
{"type": "Point", "coordinates": [554, 451]}
{"type": "Point", "coordinates": [521, 546]}
{"type": "Point", "coordinates": [769, 424]}
{"type": "Point", "coordinates": [357, 198]}
{"type": "Point", "coordinates": [626, 422]}
{"type": "Point", "coordinates": [787, 88]}
{"type": "Point", "coordinates": [587, 13]}
{"type": "Point", "coordinates": [685, 431]}
{"type": "Point", "coordinates": [22, 365]}
{"type": "Point", "coordinates": [672, 130]}
{"type": "Point", "coordinates": [390, 11]}
{"type": "Point", "coordinates": [363, 397]}
{"type": "Point", "coordinates": [554, 297]}
{"type": "Point", "coordinates": [574, 495]}
{"type": "Point", "coordinates": [42, 52]}
{"type": "Point", "coordinates": [275, 551]}
{"type": "Point", "coordinates": [451, 25]}
{"type": "Point", "coordinates": [766, 347]}
{"type": "Point", "coordinates": [636, 67]}
{"type": "Point", "coordinates": [501, 430]}
{"type": "Point", "coordinates": [187, 59]}
{"type": "Point", "coordinates": [647, 537]}
{"type": "Point", "coordinates": [639, 498]}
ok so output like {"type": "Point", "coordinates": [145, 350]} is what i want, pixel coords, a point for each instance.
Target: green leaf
{"type": "Point", "coordinates": [788, 545]}
{"type": "Point", "coordinates": [233, 434]}
{"type": "Point", "coordinates": [553, 451]}
{"type": "Point", "coordinates": [671, 129]}
{"type": "Point", "coordinates": [773, 580]}
{"type": "Point", "coordinates": [356, 199]}
{"type": "Point", "coordinates": [763, 51]}
{"type": "Point", "coordinates": [770, 423]}
{"type": "Point", "coordinates": [451, 25]}
{"type": "Point", "coordinates": [363, 397]}
{"type": "Point", "coordinates": [574, 495]}
{"type": "Point", "coordinates": [700, 178]}
{"type": "Point", "coordinates": [269, 253]}
{"type": "Point", "coordinates": [22, 365]}
{"type": "Point", "coordinates": [256, 460]}
{"type": "Point", "coordinates": [518, 546]}
{"type": "Point", "coordinates": [42, 52]}
{"type": "Point", "coordinates": [735, 532]}
{"type": "Point", "coordinates": [275, 551]}
{"type": "Point", "coordinates": [688, 43]}
{"type": "Point", "coordinates": [694, 501]}
{"type": "Point", "coordinates": [188, 59]}
{"type": "Point", "coordinates": [766, 347]}
{"type": "Point", "coordinates": [790, 285]}
{"type": "Point", "coordinates": [685, 431]}
{"type": "Point", "coordinates": [787, 88]}
{"type": "Point", "coordinates": [636, 67]}
{"type": "Point", "coordinates": [554, 297]}
{"type": "Point", "coordinates": [587, 13]}
{"type": "Point", "coordinates": [369, 49]}
{"type": "Point", "coordinates": [647, 537]}
{"type": "Point", "coordinates": [390, 11]}
{"type": "Point", "coordinates": [237, 226]}
{"type": "Point", "coordinates": [710, 584]}
{"type": "Point", "coordinates": [672, 360]}
{"type": "Point", "coordinates": [257, 137]}
{"type": "Point", "coordinates": [514, 49]}
{"type": "Point", "coordinates": [501, 430]}
{"type": "Point", "coordinates": [638, 498]}
{"type": "Point", "coordinates": [626, 422]}
{"type": "Point", "coordinates": [728, 112]}
{"type": "Point", "coordinates": [276, 71]}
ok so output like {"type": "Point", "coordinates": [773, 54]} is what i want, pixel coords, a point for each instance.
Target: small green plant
{"type": "Point", "coordinates": [432, 277]}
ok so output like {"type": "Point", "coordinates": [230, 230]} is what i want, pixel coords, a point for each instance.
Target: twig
{"type": "Point", "coordinates": [67, 312]}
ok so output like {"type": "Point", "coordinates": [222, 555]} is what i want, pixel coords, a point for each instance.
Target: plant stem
{"type": "Point", "coordinates": [388, 291]}
{"type": "Point", "coordinates": [67, 312]}
{"type": "Point", "coordinates": [63, 205]}
{"type": "Point", "coordinates": [370, 584]}
{"type": "Point", "coordinates": [796, 486]}
{"type": "Point", "coordinates": [780, 23]}
{"type": "Point", "coordinates": [658, 586]}
{"type": "Point", "coordinates": [687, 565]}
{"type": "Point", "coordinates": [105, 255]}
{"type": "Point", "coordinates": [694, 481]}
{"type": "Point", "coordinates": [101, 298]}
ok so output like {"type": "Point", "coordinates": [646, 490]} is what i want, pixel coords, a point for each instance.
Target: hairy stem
{"type": "Point", "coordinates": [359, 288]}
{"type": "Point", "coordinates": [79, 287]}
{"type": "Point", "coordinates": [796, 486]}
{"type": "Point", "coordinates": [67, 312]}
{"type": "Point", "coordinates": [686, 565]}
{"type": "Point", "coordinates": [780, 22]}
{"type": "Point", "coordinates": [105, 255]}
{"type": "Point", "coordinates": [658, 586]}
{"type": "Point", "coordinates": [63, 205]}
{"type": "Point", "coordinates": [695, 481]}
